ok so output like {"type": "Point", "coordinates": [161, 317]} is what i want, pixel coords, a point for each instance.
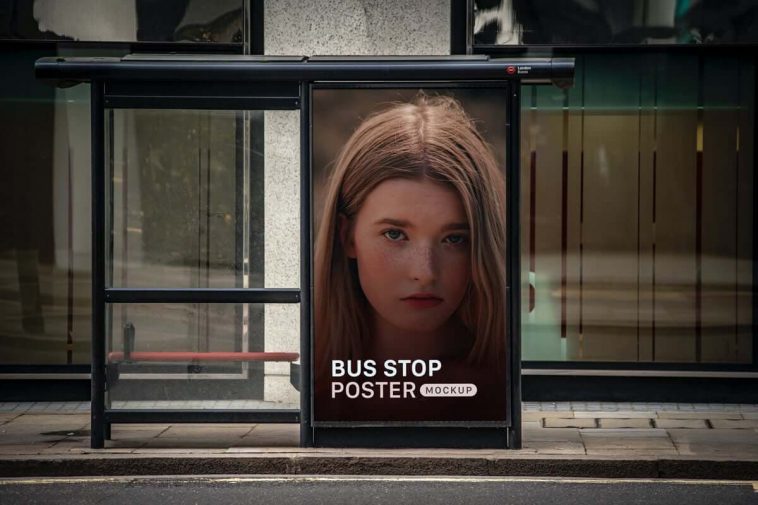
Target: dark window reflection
{"type": "Point", "coordinates": [44, 215]}
{"type": "Point", "coordinates": [638, 229]}
{"type": "Point", "coordinates": [589, 22]}
{"type": "Point", "coordinates": [119, 21]}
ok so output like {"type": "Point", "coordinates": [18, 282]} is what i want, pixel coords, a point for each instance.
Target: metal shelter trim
{"type": "Point", "coordinates": [236, 68]}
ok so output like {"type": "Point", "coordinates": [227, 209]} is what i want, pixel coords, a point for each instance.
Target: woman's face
{"type": "Point", "coordinates": [411, 243]}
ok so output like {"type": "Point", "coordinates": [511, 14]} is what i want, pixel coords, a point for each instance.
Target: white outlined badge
{"type": "Point", "coordinates": [448, 390]}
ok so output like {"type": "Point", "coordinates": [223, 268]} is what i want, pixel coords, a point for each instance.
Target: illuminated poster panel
{"type": "Point", "coordinates": [409, 255]}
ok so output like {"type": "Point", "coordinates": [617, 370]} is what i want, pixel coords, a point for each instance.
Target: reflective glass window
{"type": "Point", "coordinates": [638, 211]}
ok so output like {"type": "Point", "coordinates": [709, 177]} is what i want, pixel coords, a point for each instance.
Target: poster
{"type": "Point", "coordinates": [409, 254]}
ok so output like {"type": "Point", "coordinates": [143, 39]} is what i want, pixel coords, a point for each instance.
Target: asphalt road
{"type": "Point", "coordinates": [316, 490]}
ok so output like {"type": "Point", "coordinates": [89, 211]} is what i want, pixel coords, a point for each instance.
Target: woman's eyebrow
{"type": "Point", "coordinates": [395, 222]}
{"type": "Point", "coordinates": [455, 226]}
{"type": "Point", "coordinates": [402, 223]}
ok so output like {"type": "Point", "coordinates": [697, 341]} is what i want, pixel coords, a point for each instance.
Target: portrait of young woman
{"type": "Point", "coordinates": [409, 264]}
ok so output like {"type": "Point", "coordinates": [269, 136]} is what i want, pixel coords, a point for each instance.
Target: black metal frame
{"type": "Point", "coordinates": [115, 95]}
{"type": "Point", "coordinates": [513, 265]}
{"type": "Point", "coordinates": [449, 434]}
{"type": "Point", "coordinates": [267, 82]}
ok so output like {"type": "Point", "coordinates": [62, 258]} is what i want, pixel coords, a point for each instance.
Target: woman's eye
{"type": "Point", "coordinates": [394, 235]}
{"type": "Point", "coordinates": [456, 239]}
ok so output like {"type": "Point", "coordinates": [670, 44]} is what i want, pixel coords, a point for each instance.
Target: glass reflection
{"type": "Point", "coordinates": [45, 217]}
{"type": "Point", "coordinates": [193, 356]}
{"type": "Point", "coordinates": [637, 212]}
{"type": "Point", "coordinates": [119, 21]}
{"type": "Point", "coordinates": [581, 22]}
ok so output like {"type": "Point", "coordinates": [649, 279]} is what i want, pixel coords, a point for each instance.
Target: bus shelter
{"type": "Point", "coordinates": [329, 241]}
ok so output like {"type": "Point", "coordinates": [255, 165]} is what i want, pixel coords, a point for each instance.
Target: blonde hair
{"type": "Point", "coordinates": [432, 139]}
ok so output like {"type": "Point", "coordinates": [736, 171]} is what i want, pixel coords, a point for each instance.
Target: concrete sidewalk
{"type": "Point", "coordinates": [672, 440]}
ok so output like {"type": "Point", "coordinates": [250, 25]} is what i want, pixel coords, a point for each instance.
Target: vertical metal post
{"type": "Point", "coordinates": [108, 235]}
{"type": "Point", "coordinates": [513, 268]}
{"type": "Point", "coordinates": [98, 268]}
{"type": "Point", "coordinates": [306, 255]}
{"type": "Point", "coordinates": [754, 113]}
{"type": "Point", "coordinates": [256, 22]}
{"type": "Point", "coordinates": [460, 42]}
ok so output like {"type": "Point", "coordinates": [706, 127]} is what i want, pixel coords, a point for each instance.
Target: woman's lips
{"type": "Point", "coordinates": [422, 300]}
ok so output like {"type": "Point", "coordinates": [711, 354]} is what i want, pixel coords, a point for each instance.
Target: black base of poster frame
{"type": "Point", "coordinates": [417, 437]}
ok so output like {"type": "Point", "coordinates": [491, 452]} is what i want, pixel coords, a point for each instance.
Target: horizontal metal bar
{"type": "Point", "coordinates": [201, 102]}
{"type": "Point", "coordinates": [183, 356]}
{"type": "Point", "coordinates": [411, 424]}
{"type": "Point", "coordinates": [44, 376]}
{"type": "Point", "coordinates": [36, 368]}
{"type": "Point", "coordinates": [202, 416]}
{"type": "Point", "coordinates": [221, 95]}
{"type": "Point", "coordinates": [640, 365]}
{"type": "Point", "coordinates": [202, 295]}
{"type": "Point", "coordinates": [231, 68]}
{"type": "Point", "coordinates": [410, 85]}
{"type": "Point", "coordinates": [637, 373]}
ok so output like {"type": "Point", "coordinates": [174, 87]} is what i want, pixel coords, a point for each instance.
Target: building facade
{"type": "Point", "coordinates": [637, 201]}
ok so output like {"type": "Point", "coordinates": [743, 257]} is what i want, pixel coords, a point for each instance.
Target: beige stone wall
{"type": "Point", "coordinates": [323, 27]}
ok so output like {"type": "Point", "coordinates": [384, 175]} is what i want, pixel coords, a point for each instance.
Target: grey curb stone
{"type": "Point", "coordinates": [372, 465]}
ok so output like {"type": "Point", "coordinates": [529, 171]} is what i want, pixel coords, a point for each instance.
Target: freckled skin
{"type": "Point", "coordinates": [411, 239]}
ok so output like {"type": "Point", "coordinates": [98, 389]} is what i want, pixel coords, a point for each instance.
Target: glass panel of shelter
{"type": "Point", "coordinates": [187, 206]}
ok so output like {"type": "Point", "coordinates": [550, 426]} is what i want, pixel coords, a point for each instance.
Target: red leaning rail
{"type": "Point", "coordinates": [203, 356]}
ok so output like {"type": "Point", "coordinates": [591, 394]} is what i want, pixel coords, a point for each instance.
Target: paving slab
{"type": "Point", "coordinates": [624, 432]}
{"type": "Point", "coordinates": [137, 432]}
{"type": "Point", "coordinates": [272, 435]}
{"type": "Point", "coordinates": [635, 452]}
{"type": "Point", "coordinates": [552, 447]}
{"type": "Point", "coordinates": [7, 416]}
{"type": "Point", "coordinates": [552, 435]}
{"type": "Point", "coordinates": [531, 416]}
{"type": "Point", "coordinates": [111, 450]}
{"type": "Point", "coordinates": [58, 449]}
{"type": "Point", "coordinates": [735, 424]}
{"type": "Point", "coordinates": [183, 445]}
{"type": "Point", "coordinates": [681, 423]}
{"type": "Point", "coordinates": [200, 450]}
{"type": "Point", "coordinates": [561, 422]}
{"type": "Point", "coordinates": [207, 432]}
{"type": "Point", "coordinates": [19, 439]}
{"type": "Point", "coordinates": [43, 419]}
{"type": "Point", "coordinates": [18, 433]}
{"type": "Point", "coordinates": [675, 414]}
{"type": "Point", "coordinates": [624, 414]}
{"type": "Point", "coordinates": [549, 414]}
{"type": "Point", "coordinates": [638, 422]}
{"type": "Point", "coordinates": [739, 444]}
{"type": "Point", "coordinates": [628, 445]}
{"type": "Point", "coordinates": [25, 449]}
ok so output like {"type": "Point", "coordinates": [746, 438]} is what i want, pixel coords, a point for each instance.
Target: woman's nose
{"type": "Point", "coordinates": [423, 265]}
